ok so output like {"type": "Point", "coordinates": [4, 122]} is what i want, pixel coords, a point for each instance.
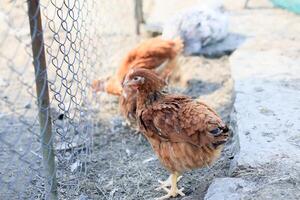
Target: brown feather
{"type": "Point", "coordinates": [185, 134]}
{"type": "Point", "coordinates": [150, 54]}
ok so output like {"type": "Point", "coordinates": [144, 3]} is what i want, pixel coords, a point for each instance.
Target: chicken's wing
{"type": "Point", "coordinates": [178, 118]}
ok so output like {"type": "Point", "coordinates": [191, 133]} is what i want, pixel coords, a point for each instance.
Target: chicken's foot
{"type": "Point", "coordinates": [166, 183]}
{"type": "Point", "coordinates": [173, 191]}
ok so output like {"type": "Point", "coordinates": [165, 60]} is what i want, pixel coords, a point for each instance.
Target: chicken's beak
{"type": "Point", "coordinates": [126, 82]}
{"type": "Point", "coordinates": [130, 83]}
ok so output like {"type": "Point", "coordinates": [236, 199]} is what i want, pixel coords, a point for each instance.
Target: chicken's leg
{"type": "Point", "coordinates": [170, 68]}
{"type": "Point", "coordinates": [173, 191]}
{"type": "Point", "coordinates": [166, 183]}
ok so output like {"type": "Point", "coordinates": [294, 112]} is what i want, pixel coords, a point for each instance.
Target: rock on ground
{"type": "Point", "coordinates": [266, 118]}
{"type": "Point", "coordinates": [226, 188]}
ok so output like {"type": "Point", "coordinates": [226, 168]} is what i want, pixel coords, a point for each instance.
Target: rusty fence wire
{"type": "Point", "coordinates": [50, 51]}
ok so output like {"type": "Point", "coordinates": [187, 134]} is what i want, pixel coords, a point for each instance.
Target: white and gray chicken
{"type": "Point", "coordinates": [204, 31]}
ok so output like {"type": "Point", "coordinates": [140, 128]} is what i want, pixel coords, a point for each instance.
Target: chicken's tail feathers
{"type": "Point", "coordinates": [221, 135]}
{"type": "Point", "coordinates": [179, 45]}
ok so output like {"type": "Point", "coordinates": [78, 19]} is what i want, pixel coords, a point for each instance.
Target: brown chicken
{"type": "Point", "coordinates": [156, 54]}
{"type": "Point", "coordinates": [185, 134]}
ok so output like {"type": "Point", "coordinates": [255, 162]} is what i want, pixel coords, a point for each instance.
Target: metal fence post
{"type": "Point", "coordinates": [39, 61]}
{"type": "Point", "coordinates": [138, 14]}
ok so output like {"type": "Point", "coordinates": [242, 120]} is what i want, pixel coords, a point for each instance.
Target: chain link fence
{"type": "Point", "coordinates": [51, 50]}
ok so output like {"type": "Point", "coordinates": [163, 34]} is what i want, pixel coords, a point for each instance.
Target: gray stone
{"type": "Point", "coordinates": [226, 188]}
{"type": "Point", "coordinates": [268, 122]}
{"type": "Point", "coordinates": [266, 118]}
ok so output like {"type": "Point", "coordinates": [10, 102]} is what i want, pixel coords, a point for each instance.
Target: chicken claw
{"type": "Point", "coordinates": [173, 191]}
{"type": "Point", "coordinates": [166, 183]}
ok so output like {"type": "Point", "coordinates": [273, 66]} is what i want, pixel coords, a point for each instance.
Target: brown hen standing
{"type": "Point", "coordinates": [185, 134]}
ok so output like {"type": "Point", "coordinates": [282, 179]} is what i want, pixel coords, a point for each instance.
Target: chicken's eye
{"type": "Point", "coordinates": [136, 78]}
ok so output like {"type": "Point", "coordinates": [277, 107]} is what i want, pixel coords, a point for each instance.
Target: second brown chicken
{"type": "Point", "coordinates": [155, 54]}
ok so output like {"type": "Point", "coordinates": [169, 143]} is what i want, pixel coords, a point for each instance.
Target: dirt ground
{"type": "Point", "coordinates": [124, 165]}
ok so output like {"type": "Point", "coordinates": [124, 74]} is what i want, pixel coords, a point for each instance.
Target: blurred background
{"type": "Point", "coordinates": [59, 140]}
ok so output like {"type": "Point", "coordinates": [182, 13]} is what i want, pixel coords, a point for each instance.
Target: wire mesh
{"type": "Point", "coordinates": [79, 38]}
